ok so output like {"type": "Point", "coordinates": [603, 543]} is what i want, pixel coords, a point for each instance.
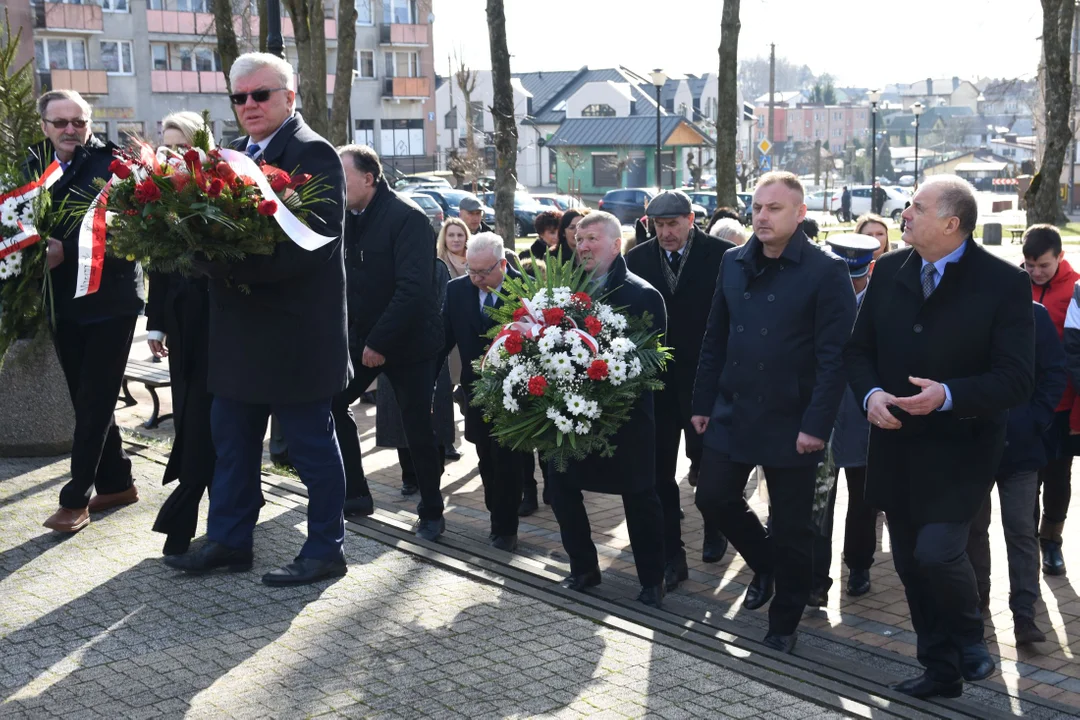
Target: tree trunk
{"type": "Point", "coordinates": [1043, 199]}
{"type": "Point", "coordinates": [728, 111]}
{"type": "Point", "coordinates": [309, 33]}
{"type": "Point", "coordinates": [346, 49]}
{"type": "Point", "coordinates": [227, 46]}
{"type": "Point", "coordinates": [506, 135]}
{"type": "Point", "coordinates": [264, 27]}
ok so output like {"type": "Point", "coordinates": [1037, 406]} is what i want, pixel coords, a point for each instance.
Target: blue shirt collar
{"type": "Point", "coordinates": [265, 142]}
{"type": "Point", "coordinates": [952, 257]}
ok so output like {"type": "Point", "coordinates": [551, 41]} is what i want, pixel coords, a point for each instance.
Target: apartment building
{"type": "Point", "coordinates": [836, 125]}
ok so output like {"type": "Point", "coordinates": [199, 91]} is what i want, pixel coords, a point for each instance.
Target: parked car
{"type": "Point", "coordinates": [822, 202]}
{"type": "Point", "coordinates": [708, 201]}
{"type": "Point", "coordinates": [895, 199]}
{"type": "Point", "coordinates": [559, 202]}
{"type": "Point", "coordinates": [414, 187]}
{"type": "Point", "coordinates": [627, 204]}
{"type": "Point", "coordinates": [434, 211]}
{"type": "Point", "coordinates": [450, 199]}
{"type": "Point", "coordinates": [405, 180]}
{"type": "Point", "coordinates": [747, 208]}
{"type": "Point", "coordinates": [525, 210]}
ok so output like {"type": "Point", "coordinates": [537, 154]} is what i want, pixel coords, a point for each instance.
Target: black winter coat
{"type": "Point", "coordinates": [687, 308]}
{"type": "Point", "coordinates": [283, 338]}
{"type": "Point", "coordinates": [772, 359]}
{"type": "Point", "coordinates": [975, 333]}
{"type": "Point", "coordinates": [120, 292]}
{"type": "Point", "coordinates": [390, 254]}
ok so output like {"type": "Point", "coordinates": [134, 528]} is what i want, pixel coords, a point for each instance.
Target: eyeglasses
{"type": "Point", "coordinates": [482, 273]}
{"type": "Point", "coordinates": [62, 123]}
{"type": "Point", "coordinates": [259, 96]}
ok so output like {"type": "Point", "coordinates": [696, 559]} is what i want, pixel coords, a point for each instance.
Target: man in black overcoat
{"type": "Point", "coordinates": [93, 332]}
{"type": "Point", "coordinates": [395, 327]}
{"type": "Point", "coordinates": [631, 472]}
{"type": "Point", "coordinates": [278, 344]}
{"type": "Point", "coordinates": [681, 262]}
{"type": "Point", "coordinates": [943, 347]}
{"type": "Point", "coordinates": [768, 387]}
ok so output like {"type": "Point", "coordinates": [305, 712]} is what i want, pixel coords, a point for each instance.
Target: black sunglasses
{"type": "Point", "coordinates": [259, 96]}
{"type": "Point", "coordinates": [63, 123]}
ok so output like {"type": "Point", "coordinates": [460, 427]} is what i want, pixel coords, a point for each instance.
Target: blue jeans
{"type": "Point", "coordinates": [238, 429]}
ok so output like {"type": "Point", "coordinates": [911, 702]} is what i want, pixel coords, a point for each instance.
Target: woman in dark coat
{"type": "Point", "coordinates": [547, 236]}
{"type": "Point", "coordinates": [177, 316]}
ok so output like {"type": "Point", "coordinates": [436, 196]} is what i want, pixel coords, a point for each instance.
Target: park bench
{"type": "Point", "coordinates": [152, 377]}
{"type": "Point", "coordinates": [1017, 234]}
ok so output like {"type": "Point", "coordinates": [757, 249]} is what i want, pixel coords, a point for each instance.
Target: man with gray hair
{"type": "Point", "coordinates": [942, 349]}
{"type": "Point", "coordinates": [631, 472]}
{"type": "Point", "coordinates": [278, 345]}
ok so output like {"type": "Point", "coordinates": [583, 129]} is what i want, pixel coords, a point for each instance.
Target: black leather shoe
{"type": "Point", "coordinates": [858, 583]}
{"type": "Point", "coordinates": [692, 477]}
{"type": "Point", "coordinates": [359, 506]}
{"type": "Point", "coordinates": [451, 453]}
{"type": "Point", "coordinates": [281, 460]}
{"type": "Point", "coordinates": [176, 545]}
{"type": "Point", "coordinates": [1053, 560]}
{"type": "Point", "coordinates": [582, 582]}
{"type": "Point", "coordinates": [528, 505]}
{"type": "Point", "coordinates": [925, 687]}
{"type": "Point", "coordinates": [430, 530]}
{"type": "Point", "coordinates": [759, 592]}
{"type": "Point", "coordinates": [781, 643]}
{"type": "Point", "coordinates": [652, 596]}
{"type": "Point", "coordinates": [675, 571]}
{"type": "Point", "coordinates": [713, 548]}
{"type": "Point", "coordinates": [507, 543]}
{"type": "Point", "coordinates": [976, 663]}
{"type": "Point", "coordinates": [408, 489]}
{"type": "Point", "coordinates": [304, 571]}
{"type": "Point", "coordinates": [819, 597]}
{"type": "Point", "coordinates": [1027, 632]}
{"type": "Point", "coordinates": [211, 556]}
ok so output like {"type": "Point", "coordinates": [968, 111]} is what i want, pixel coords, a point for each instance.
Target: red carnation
{"type": "Point", "coordinates": [217, 185]}
{"type": "Point", "coordinates": [520, 314]}
{"type": "Point", "coordinates": [147, 191]}
{"type": "Point", "coordinates": [268, 207]}
{"type": "Point", "coordinates": [120, 169]}
{"type": "Point", "coordinates": [598, 370]}
{"type": "Point", "coordinates": [513, 343]}
{"type": "Point", "coordinates": [592, 325]}
{"type": "Point", "coordinates": [554, 316]}
{"type": "Point", "coordinates": [537, 385]}
{"type": "Point", "coordinates": [225, 171]}
{"type": "Point", "coordinates": [582, 299]}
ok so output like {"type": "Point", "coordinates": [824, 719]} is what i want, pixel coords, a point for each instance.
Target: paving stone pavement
{"type": "Point", "coordinates": [93, 625]}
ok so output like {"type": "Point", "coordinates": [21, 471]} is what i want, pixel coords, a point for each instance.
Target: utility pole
{"type": "Point", "coordinates": [772, 90]}
{"type": "Point", "coordinates": [453, 111]}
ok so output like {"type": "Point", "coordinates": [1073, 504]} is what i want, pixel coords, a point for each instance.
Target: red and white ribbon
{"type": "Point", "coordinates": [92, 244]}
{"type": "Point", "coordinates": [27, 236]}
{"type": "Point", "coordinates": [532, 327]}
{"type": "Point", "coordinates": [30, 190]}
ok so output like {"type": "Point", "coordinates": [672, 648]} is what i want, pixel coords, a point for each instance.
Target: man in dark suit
{"type": "Point", "coordinates": [280, 346]}
{"type": "Point", "coordinates": [465, 323]}
{"type": "Point", "coordinates": [394, 328]}
{"type": "Point", "coordinates": [682, 263]}
{"type": "Point", "coordinates": [631, 472]}
{"type": "Point", "coordinates": [93, 332]}
{"type": "Point", "coordinates": [768, 387]}
{"type": "Point", "coordinates": [943, 347]}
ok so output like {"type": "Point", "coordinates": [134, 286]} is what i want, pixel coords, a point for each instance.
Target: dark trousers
{"type": "Point", "coordinates": [501, 471]}
{"type": "Point", "coordinates": [860, 531]}
{"type": "Point", "coordinates": [644, 520]}
{"type": "Point", "coordinates": [1056, 479]}
{"type": "Point", "coordinates": [672, 424]}
{"type": "Point", "coordinates": [414, 388]}
{"type": "Point", "coordinates": [1018, 495]}
{"type": "Point", "coordinates": [93, 357]}
{"type": "Point", "coordinates": [942, 595]}
{"type": "Point", "coordinates": [786, 550]}
{"type": "Point", "coordinates": [528, 478]}
{"type": "Point", "coordinates": [238, 430]}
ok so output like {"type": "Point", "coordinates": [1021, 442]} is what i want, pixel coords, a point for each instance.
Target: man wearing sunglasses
{"type": "Point", "coordinates": [93, 332]}
{"type": "Point", "coordinates": [278, 346]}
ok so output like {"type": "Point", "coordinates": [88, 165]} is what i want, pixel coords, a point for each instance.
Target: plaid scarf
{"type": "Point", "coordinates": [670, 275]}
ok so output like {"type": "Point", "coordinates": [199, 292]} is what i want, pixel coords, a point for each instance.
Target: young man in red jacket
{"type": "Point", "coordinates": [1053, 282]}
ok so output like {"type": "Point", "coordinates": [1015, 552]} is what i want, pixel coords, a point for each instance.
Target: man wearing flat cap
{"type": "Point", "coordinates": [471, 212]}
{"type": "Point", "coordinates": [682, 263]}
{"type": "Point", "coordinates": [851, 435]}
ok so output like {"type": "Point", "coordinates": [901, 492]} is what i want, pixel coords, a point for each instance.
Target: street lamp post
{"type": "Point", "coordinates": [874, 96]}
{"type": "Point", "coordinates": [658, 79]}
{"type": "Point", "coordinates": [275, 45]}
{"type": "Point", "coordinates": [917, 110]}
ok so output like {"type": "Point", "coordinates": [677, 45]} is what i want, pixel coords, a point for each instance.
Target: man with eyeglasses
{"type": "Point", "coordinates": [93, 333]}
{"type": "Point", "coordinates": [278, 344]}
{"type": "Point", "coordinates": [394, 328]}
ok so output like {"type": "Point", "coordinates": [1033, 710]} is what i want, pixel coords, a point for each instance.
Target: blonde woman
{"type": "Point", "coordinates": [450, 248]}
{"type": "Point", "coordinates": [875, 227]}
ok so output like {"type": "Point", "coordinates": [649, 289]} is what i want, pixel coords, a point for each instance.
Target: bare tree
{"type": "Point", "coordinates": [227, 46]}
{"type": "Point", "coordinates": [618, 163]}
{"type": "Point", "coordinates": [470, 165]}
{"type": "Point", "coordinates": [573, 159]}
{"type": "Point", "coordinates": [1042, 199]}
{"type": "Point", "coordinates": [346, 51]}
{"type": "Point", "coordinates": [309, 34]}
{"type": "Point", "coordinates": [502, 111]}
{"type": "Point", "coordinates": [728, 111]}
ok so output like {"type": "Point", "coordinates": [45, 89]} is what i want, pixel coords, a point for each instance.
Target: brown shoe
{"type": "Point", "coordinates": [111, 500]}
{"type": "Point", "coordinates": [68, 521]}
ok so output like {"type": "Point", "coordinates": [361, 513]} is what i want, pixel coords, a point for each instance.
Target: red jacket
{"type": "Point", "coordinates": [1055, 297]}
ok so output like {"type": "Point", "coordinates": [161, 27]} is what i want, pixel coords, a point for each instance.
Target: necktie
{"type": "Point", "coordinates": [673, 260]}
{"type": "Point", "coordinates": [489, 301]}
{"type": "Point", "coordinates": [253, 150]}
{"type": "Point", "coordinates": [929, 272]}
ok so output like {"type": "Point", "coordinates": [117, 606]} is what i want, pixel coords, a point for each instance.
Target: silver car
{"type": "Point", "coordinates": [431, 208]}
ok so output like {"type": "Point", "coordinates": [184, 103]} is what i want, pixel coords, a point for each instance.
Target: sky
{"type": "Point", "coordinates": [909, 41]}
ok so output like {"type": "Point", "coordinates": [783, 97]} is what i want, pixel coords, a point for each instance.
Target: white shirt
{"type": "Point", "coordinates": [671, 255]}
{"type": "Point", "coordinates": [265, 142]}
{"type": "Point", "coordinates": [483, 298]}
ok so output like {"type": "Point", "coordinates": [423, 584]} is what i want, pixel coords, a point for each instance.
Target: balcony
{"type": "Point", "coordinates": [405, 88]}
{"type": "Point", "coordinates": [404, 35]}
{"type": "Point", "coordinates": [171, 22]}
{"type": "Point", "coordinates": [201, 82]}
{"type": "Point", "coordinates": [68, 18]}
{"type": "Point", "coordinates": [85, 82]}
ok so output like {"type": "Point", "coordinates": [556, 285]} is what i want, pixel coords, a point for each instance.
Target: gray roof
{"type": "Point", "coordinates": [618, 131]}
{"type": "Point", "coordinates": [697, 85]}
{"type": "Point", "coordinates": [902, 120]}
{"type": "Point", "coordinates": [545, 114]}
{"type": "Point", "coordinates": [544, 85]}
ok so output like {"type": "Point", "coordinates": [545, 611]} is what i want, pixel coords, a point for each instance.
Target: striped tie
{"type": "Point", "coordinates": [929, 272]}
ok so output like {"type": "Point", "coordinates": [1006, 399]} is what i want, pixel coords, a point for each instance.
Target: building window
{"type": "Point", "coordinates": [402, 64]}
{"type": "Point", "coordinates": [129, 132]}
{"type": "Point", "coordinates": [116, 6]}
{"type": "Point", "coordinates": [230, 131]}
{"type": "Point", "coordinates": [364, 14]}
{"type": "Point", "coordinates": [364, 133]}
{"type": "Point", "coordinates": [605, 171]}
{"type": "Point", "coordinates": [402, 138]}
{"type": "Point", "coordinates": [761, 121]}
{"type": "Point", "coordinates": [807, 123]}
{"type": "Point", "coordinates": [116, 57]}
{"type": "Point", "coordinates": [364, 63]}
{"type": "Point", "coordinates": [155, 4]}
{"type": "Point", "coordinates": [60, 54]}
{"type": "Point", "coordinates": [838, 116]}
{"type": "Point", "coordinates": [159, 56]}
{"type": "Point", "coordinates": [199, 6]}
{"type": "Point", "coordinates": [207, 60]}
{"type": "Point", "coordinates": [399, 12]}
{"type": "Point", "coordinates": [839, 132]}
{"type": "Point", "coordinates": [598, 110]}
{"type": "Point", "coordinates": [819, 133]}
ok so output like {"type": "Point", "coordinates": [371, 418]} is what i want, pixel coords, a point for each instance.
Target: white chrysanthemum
{"type": "Point", "coordinates": [622, 346]}
{"type": "Point", "coordinates": [564, 424]}
{"type": "Point", "coordinates": [552, 338]}
{"type": "Point", "coordinates": [580, 354]}
{"type": "Point", "coordinates": [495, 359]}
{"type": "Point", "coordinates": [559, 363]}
{"type": "Point", "coordinates": [583, 428]}
{"type": "Point", "coordinates": [553, 414]}
{"type": "Point", "coordinates": [635, 368]}
{"type": "Point", "coordinates": [592, 410]}
{"type": "Point", "coordinates": [618, 322]}
{"type": "Point", "coordinates": [11, 265]}
{"type": "Point", "coordinates": [9, 218]}
{"type": "Point", "coordinates": [27, 214]}
{"type": "Point", "coordinates": [510, 403]}
{"type": "Point", "coordinates": [575, 404]}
